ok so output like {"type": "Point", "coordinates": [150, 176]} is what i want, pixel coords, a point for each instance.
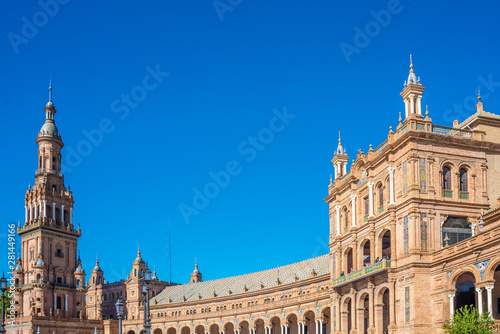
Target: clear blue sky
{"type": "Point", "coordinates": [228, 68]}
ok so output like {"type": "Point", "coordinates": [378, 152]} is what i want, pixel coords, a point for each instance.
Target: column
{"type": "Point", "coordinates": [479, 300]}
{"type": "Point", "coordinates": [44, 209]}
{"type": "Point", "coordinates": [337, 314]}
{"type": "Point", "coordinates": [54, 211]}
{"type": "Point", "coordinates": [40, 208]}
{"type": "Point", "coordinates": [406, 108]}
{"type": "Point", "coordinates": [55, 305]}
{"type": "Point", "coordinates": [26, 213]}
{"type": "Point", "coordinates": [299, 328]}
{"type": "Point", "coordinates": [66, 302]}
{"type": "Point", "coordinates": [370, 197]}
{"type": "Point", "coordinates": [452, 304]}
{"type": "Point", "coordinates": [35, 209]}
{"type": "Point", "coordinates": [320, 325]}
{"type": "Point", "coordinates": [354, 312]}
{"type": "Point", "coordinates": [412, 105]}
{"type": "Point", "coordinates": [353, 204]}
{"type": "Point", "coordinates": [391, 184]}
{"type": "Point", "coordinates": [336, 170]}
{"type": "Point", "coordinates": [419, 105]}
{"type": "Point", "coordinates": [371, 307]}
{"type": "Point", "coordinates": [489, 290]}
{"type": "Point", "coordinates": [337, 211]}
{"type": "Point", "coordinates": [62, 213]}
{"type": "Point", "coordinates": [71, 215]}
{"type": "Point", "coordinates": [316, 323]}
{"type": "Point", "coordinates": [392, 301]}
{"type": "Point", "coordinates": [285, 329]}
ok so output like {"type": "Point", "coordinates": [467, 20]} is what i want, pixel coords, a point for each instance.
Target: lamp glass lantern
{"type": "Point", "coordinates": [119, 307]}
{"type": "Point", "coordinates": [147, 275]}
{"type": "Point", "coordinates": [3, 283]}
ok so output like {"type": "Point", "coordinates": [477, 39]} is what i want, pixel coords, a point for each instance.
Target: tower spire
{"type": "Point", "coordinates": [50, 90]}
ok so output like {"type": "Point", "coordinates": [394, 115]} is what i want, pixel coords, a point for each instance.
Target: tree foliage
{"type": "Point", "coordinates": [467, 320]}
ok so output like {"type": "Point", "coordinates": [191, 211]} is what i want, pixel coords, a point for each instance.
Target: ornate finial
{"type": "Point", "coordinates": [96, 260]}
{"type": "Point", "coordinates": [426, 110]}
{"type": "Point", "coordinates": [371, 147]}
{"type": "Point", "coordinates": [50, 90]}
{"type": "Point", "coordinates": [399, 119]}
{"type": "Point", "coordinates": [330, 178]}
{"type": "Point", "coordinates": [390, 129]}
{"type": "Point", "coordinates": [138, 250]}
{"type": "Point", "coordinates": [69, 187]}
{"type": "Point", "coordinates": [195, 263]}
{"type": "Point", "coordinates": [411, 62]}
{"type": "Point", "coordinates": [78, 254]}
{"type": "Point", "coordinates": [339, 136]}
{"type": "Point", "coordinates": [479, 96]}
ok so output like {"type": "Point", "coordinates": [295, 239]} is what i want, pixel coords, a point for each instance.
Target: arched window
{"type": "Point", "coordinates": [463, 180]}
{"type": "Point", "coordinates": [53, 162]}
{"type": "Point", "coordinates": [446, 178]}
{"type": "Point", "coordinates": [78, 283]}
{"type": "Point", "coordinates": [38, 277]}
{"type": "Point", "coordinates": [40, 163]}
{"type": "Point", "coordinates": [381, 196]}
{"type": "Point", "coordinates": [135, 272]}
{"type": "Point", "coordinates": [346, 218]}
{"type": "Point", "coordinates": [59, 303]}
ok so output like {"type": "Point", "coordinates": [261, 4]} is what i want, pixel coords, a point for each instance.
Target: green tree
{"type": "Point", "coordinates": [467, 320]}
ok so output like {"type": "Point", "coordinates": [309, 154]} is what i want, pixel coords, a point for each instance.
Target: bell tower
{"type": "Point", "coordinates": [412, 94]}
{"type": "Point", "coordinates": [54, 281]}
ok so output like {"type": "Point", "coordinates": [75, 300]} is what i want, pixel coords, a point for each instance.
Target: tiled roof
{"type": "Point", "coordinates": [480, 113]}
{"type": "Point", "coordinates": [236, 284]}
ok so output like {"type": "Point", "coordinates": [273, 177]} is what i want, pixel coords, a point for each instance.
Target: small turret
{"type": "Point", "coordinates": [340, 160]}
{"type": "Point", "coordinates": [196, 274]}
{"type": "Point", "coordinates": [412, 94]}
{"type": "Point", "coordinates": [97, 275]}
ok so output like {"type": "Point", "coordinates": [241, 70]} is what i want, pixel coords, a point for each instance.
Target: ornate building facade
{"type": "Point", "coordinates": [414, 235]}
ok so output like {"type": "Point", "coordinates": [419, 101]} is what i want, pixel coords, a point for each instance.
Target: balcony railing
{"type": "Point", "coordinates": [451, 131]}
{"type": "Point", "coordinates": [448, 193]}
{"type": "Point", "coordinates": [381, 147]}
{"type": "Point", "coordinates": [379, 266]}
{"type": "Point", "coordinates": [47, 170]}
{"type": "Point", "coordinates": [464, 195]}
{"type": "Point", "coordinates": [380, 209]}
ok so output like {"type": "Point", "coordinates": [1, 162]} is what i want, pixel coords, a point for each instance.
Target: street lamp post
{"type": "Point", "coordinates": [145, 291]}
{"type": "Point", "coordinates": [119, 314]}
{"type": "Point", "coordinates": [3, 287]}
